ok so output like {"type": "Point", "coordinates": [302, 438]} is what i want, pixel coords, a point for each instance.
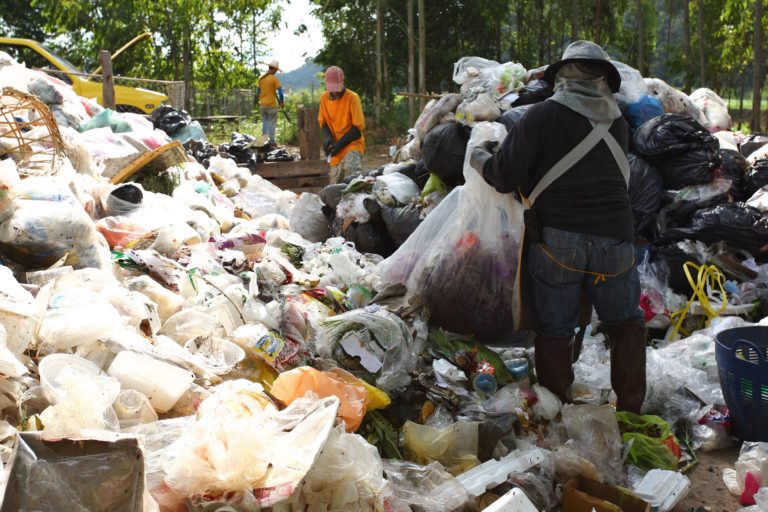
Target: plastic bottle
{"type": "Point", "coordinates": [518, 367]}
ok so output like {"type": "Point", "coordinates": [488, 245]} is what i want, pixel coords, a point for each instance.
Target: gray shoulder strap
{"type": "Point", "coordinates": [619, 156]}
{"type": "Point", "coordinates": [571, 158]}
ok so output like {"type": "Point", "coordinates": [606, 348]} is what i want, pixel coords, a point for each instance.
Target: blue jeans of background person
{"type": "Point", "coordinates": [269, 122]}
{"type": "Point", "coordinates": [557, 291]}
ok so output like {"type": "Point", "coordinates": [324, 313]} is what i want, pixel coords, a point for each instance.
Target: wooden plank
{"type": "Point", "coordinates": [309, 133]}
{"type": "Point", "coordinates": [108, 83]}
{"type": "Point", "coordinates": [288, 169]}
{"type": "Point", "coordinates": [157, 160]}
{"type": "Point", "coordinates": [301, 182]}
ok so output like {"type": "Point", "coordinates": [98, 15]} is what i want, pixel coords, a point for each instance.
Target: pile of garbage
{"type": "Point", "coordinates": [219, 348]}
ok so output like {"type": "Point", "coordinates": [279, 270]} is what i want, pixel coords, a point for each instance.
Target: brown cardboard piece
{"type": "Point", "coordinates": [584, 495]}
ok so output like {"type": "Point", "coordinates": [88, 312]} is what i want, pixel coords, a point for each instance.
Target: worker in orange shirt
{"type": "Point", "coordinates": [270, 96]}
{"type": "Point", "coordinates": [342, 122]}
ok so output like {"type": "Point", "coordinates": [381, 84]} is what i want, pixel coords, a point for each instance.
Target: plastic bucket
{"type": "Point", "coordinates": [742, 361]}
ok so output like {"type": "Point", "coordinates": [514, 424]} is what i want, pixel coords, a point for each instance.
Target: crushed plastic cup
{"type": "Point", "coordinates": [50, 367]}
{"type": "Point", "coordinates": [162, 382]}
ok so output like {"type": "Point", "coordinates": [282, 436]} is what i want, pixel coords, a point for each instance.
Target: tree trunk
{"type": "Point", "coordinates": [598, 17]}
{"type": "Point", "coordinates": [411, 66]}
{"type": "Point", "coordinates": [641, 38]}
{"type": "Point", "coordinates": [757, 77]}
{"type": "Point", "coordinates": [187, 60]}
{"type": "Point", "coordinates": [422, 54]}
{"type": "Point", "coordinates": [741, 98]}
{"type": "Point", "coordinates": [700, 32]}
{"type": "Point", "coordinates": [574, 20]}
{"type": "Point", "coordinates": [379, 33]}
{"type": "Point", "coordinates": [687, 43]}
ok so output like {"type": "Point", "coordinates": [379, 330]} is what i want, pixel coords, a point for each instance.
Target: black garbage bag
{"type": "Point", "coordinates": [738, 225]}
{"type": "Point", "coordinates": [169, 119]}
{"type": "Point", "coordinates": [443, 151]}
{"type": "Point", "coordinates": [680, 205]}
{"type": "Point", "coordinates": [331, 195]}
{"type": "Point", "coordinates": [371, 236]}
{"type": "Point", "coordinates": [752, 143]}
{"type": "Point", "coordinates": [533, 92]}
{"type": "Point", "coordinates": [756, 178]}
{"type": "Point", "coordinates": [201, 150]}
{"type": "Point", "coordinates": [279, 155]}
{"type": "Point", "coordinates": [240, 151]}
{"type": "Point", "coordinates": [665, 137]}
{"type": "Point", "coordinates": [401, 221]}
{"type": "Point", "coordinates": [696, 167]}
{"type": "Point", "coordinates": [734, 167]}
{"type": "Point", "coordinates": [645, 191]}
{"type": "Point", "coordinates": [512, 116]}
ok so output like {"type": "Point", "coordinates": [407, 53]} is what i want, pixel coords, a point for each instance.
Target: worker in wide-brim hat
{"type": "Point", "coordinates": [567, 157]}
{"type": "Point", "coordinates": [342, 123]}
{"type": "Point", "coordinates": [271, 98]}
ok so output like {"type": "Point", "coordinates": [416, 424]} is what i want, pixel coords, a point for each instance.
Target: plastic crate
{"type": "Point", "coordinates": [742, 360]}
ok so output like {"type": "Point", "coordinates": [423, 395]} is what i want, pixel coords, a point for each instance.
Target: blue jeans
{"type": "Point", "coordinates": [269, 122]}
{"type": "Point", "coordinates": [557, 291]}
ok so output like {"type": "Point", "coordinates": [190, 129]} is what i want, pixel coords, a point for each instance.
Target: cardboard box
{"type": "Point", "coordinates": [584, 495]}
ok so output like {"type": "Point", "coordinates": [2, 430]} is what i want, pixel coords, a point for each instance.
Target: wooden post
{"type": "Point", "coordinates": [309, 133]}
{"type": "Point", "coordinates": [422, 54]}
{"type": "Point", "coordinates": [379, 37]}
{"type": "Point", "coordinates": [107, 81]}
{"type": "Point", "coordinates": [411, 66]}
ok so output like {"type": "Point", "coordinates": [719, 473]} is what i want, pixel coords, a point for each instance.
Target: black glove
{"type": "Point", "coordinates": [352, 135]}
{"type": "Point", "coordinates": [335, 148]}
{"type": "Point", "coordinates": [328, 139]}
{"type": "Point", "coordinates": [481, 154]}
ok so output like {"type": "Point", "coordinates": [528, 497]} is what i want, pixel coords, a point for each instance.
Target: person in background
{"type": "Point", "coordinates": [342, 122]}
{"type": "Point", "coordinates": [271, 99]}
{"type": "Point", "coordinates": [570, 152]}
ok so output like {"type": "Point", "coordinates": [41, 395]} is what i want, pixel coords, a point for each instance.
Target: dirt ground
{"type": "Point", "coordinates": [707, 487]}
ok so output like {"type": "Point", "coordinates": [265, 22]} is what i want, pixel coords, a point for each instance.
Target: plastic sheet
{"type": "Point", "coordinates": [596, 437]}
{"type": "Point", "coordinates": [104, 472]}
{"type": "Point", "coordinates": [455, 447]}
{"type": "Point", "coordinates": [462, 260]}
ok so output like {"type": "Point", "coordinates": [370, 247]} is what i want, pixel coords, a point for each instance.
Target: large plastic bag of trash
{"type": "Point", "coordinates": [713, 108]}
{"type": "Point", "coordinates": [462, 260]}
{"type": "Point", "coordinates": [48, 224]}
{"type": "Point", "coordinates": [734, 167]}
{"type": "Point", "coordinates": [737, 224]}
{"type": "Point", "coordinates": [308, 220]}
{"type": "Point", "coordinates": [381, 341]}
{"type": "Point", "coordinates": [684, 151]}
{"type": "Point", "coordinates": [455, 447]}
{"type": "Point", "coordinates": [477, 107]}
{"type": "Point", "coordinates": [645, 193]}
{"type": "Point", "coordinates": [673, 101]}
{"type": "Point", "coordinates": [348, 475]}
{"type": "Point", "coordinates": [633, 87]}
{"type": "Point", "coordinates": [401, 221]}
{"type": "Point", "coordinates": [433, 114]}
{"type": "Point", "coordinates": [489, 75]}
{"type": "Point", "coordinates": [756, 178]}
{"type": "Point", "coordinates": [444, 149]}
{"type": "Point", "coordinates": [683, 203]}
{"type": "Point", "coordinates": [395, 189]}
{"type": "Point", "coordinates": [596, 437]}
{"type": "Point", "coordinates": [261, 197]}
{"type": "Point", "coordinates": [759, 200]}
{"type": "Point", "coordinates": [19, 313]}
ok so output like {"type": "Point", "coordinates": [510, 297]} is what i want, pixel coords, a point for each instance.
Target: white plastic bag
{"type": "Point", "coordinates": [395, 189]}
{"type": "Point", "coordinates": [713, 108]}
{"type": "Point", "coordinates": [308, 220]}
{"type": "Point", "coordinates": [462, 260]}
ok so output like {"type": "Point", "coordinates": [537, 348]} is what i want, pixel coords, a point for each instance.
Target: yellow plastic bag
{"type": "Point", "coordinates": [354, 394]}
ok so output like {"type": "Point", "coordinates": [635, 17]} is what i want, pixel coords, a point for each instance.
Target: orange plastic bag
{"type": "Point", "coordinates": [346, 387]}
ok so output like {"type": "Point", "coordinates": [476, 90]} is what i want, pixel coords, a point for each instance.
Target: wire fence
{"type": "Point", "coordinates": [221, 102]}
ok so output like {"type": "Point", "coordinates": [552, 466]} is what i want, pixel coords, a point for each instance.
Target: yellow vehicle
{"type": "Point", "coordinates": [35, 55]}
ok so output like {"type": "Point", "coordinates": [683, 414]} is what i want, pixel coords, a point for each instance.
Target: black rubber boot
{"type": "Point", "coordinates": [627, 342]}
{"type": "Point", "coordinates": [554, 365]}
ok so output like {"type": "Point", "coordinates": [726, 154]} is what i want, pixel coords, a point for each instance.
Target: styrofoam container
{"type": "Point", "coordinates": [662, 489]}
{"type": "Point", "coordinates": [514, 501]}
{"type": "Point", "coordinates": [50, 367]}
{"type": "Point", "coordinates": [162, 382]}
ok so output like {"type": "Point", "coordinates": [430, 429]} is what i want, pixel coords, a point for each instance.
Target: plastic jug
{"type": "Point", "coordinates": [162, 382]}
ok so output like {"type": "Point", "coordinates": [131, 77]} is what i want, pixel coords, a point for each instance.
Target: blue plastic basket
{"type": "Point", "coordinates": [742, 361]}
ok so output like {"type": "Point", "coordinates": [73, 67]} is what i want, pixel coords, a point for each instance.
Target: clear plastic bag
{"type": "Point", "coordinates": [381, 339]}
{"type": "Point", "coordinates": [595, 433]}
{"type": "Point", "coordinates": [433, 113]}
{"type": "Point", "coordinates": [462, 260]}
{"type": "Point", "coordinates": [633, 87]}
{"type": "Point", "coordinates": [492, 77]}
{"type": "Point", "coordinates": [348, 475]}
{"type": "Point", "coordinates": [308, 220]}
{"type": "Point", "coordinates": [477, 108]}
{"type": "Point", "coordinates": [415, 485]}
{"type": "Point", "coordinates": [455, 447]}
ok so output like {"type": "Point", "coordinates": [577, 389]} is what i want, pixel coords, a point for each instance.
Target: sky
{"type": "Point", "coordinates": [292, 50]}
